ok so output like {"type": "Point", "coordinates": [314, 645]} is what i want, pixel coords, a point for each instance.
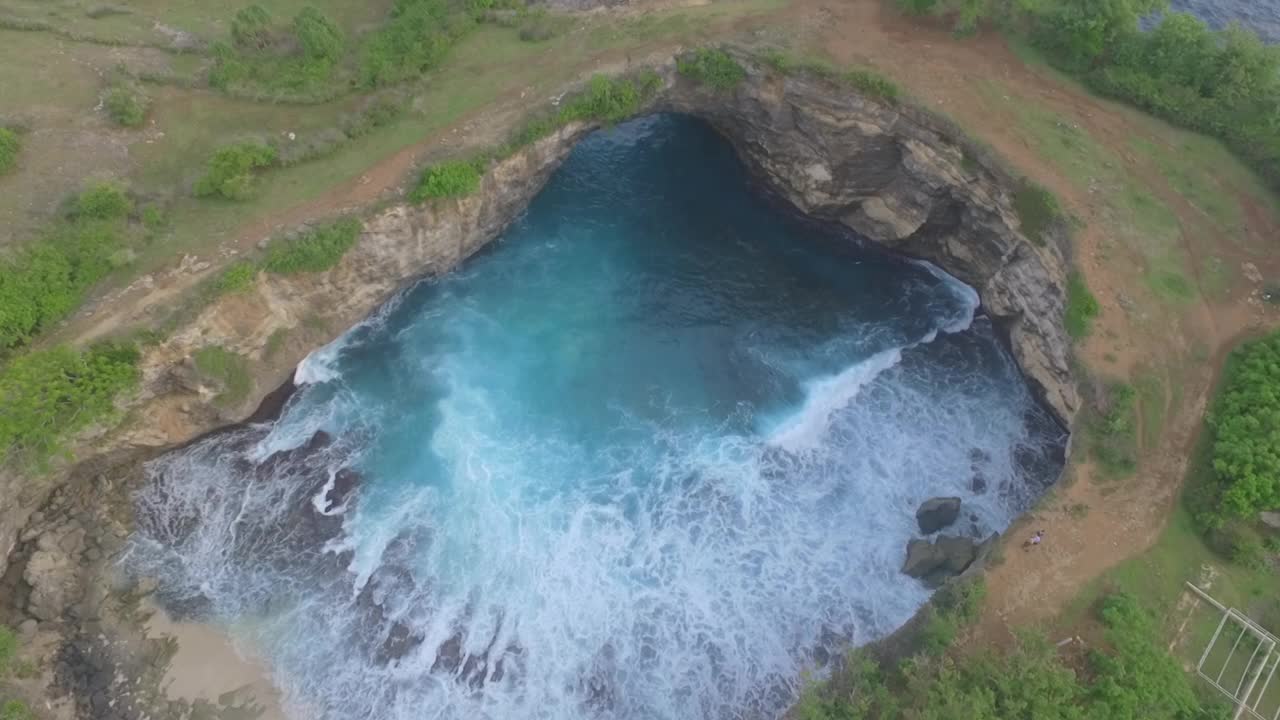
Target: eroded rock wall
{"type": "Point", "coordinates": [902, 178]}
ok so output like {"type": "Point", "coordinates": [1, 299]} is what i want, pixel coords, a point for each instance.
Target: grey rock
{"type": "Point", "coordinates": [1270, 519]}
{"type": "Point", "coordinates": [54, 581]}
{"type": "Point", "coordinates": [934, 562]}
{"type": "Point", "coordinates": [72, 542]}
{"type": "Point", "coordinates": [937, 513]}
{"type": "Point", "coordinates": [27, 628]}
{"type": "Point", "coordinates": [93, 554]}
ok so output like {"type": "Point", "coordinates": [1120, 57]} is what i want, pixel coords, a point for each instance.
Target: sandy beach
{"type": "Point", "coordinates": [208, 667]}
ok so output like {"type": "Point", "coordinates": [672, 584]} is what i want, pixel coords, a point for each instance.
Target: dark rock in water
{"type": "Point", "coordinates": [937, 561]}
{"type": "Point", "coordinates": [979, 483]}
{"type": "Point", "coordinates": [937, 513]}
{"type": "Point", "coordinates": [344, 481]}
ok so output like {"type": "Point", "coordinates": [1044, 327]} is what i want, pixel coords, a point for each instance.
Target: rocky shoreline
{"type": "Point", "coordinates": [893, 174]}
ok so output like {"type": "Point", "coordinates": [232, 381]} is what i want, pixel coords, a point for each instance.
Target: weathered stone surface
{"type": "Point", "coordinates": [54, 581]}
{"type": "Point", "coordinates": [935, 562]}
{"type": "Point", "coordinates": [937, 513]}
{"type": "Point", "coordinates": [1270, 519]}
{"type": "Point", "coordinates": [899, 176]}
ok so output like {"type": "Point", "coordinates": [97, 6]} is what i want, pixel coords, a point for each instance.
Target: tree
{"type": "Point", "coordinates": [251, 28]}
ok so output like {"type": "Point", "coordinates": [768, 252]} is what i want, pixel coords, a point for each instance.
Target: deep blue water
{"type": "Point", "coordinates": [1262, 16]}
{"type": "Point", "coordinates": [652, 454]}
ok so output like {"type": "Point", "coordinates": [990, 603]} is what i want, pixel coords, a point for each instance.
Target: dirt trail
{"type": "Point", "coordinates": [1124, 518]}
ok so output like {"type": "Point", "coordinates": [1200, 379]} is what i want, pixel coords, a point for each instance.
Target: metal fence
{"type": "Point", "coordinates": [1241, 660]}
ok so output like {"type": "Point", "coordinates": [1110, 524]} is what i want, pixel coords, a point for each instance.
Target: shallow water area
{"type": "Point", "coordinates": [652, 454]}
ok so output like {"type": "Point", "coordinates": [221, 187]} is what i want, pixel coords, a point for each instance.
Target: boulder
{"type": "Point", "coordinates": [937, 513]}
{"type": "Point", "coordinates": [1271, 519]}
{"type": "Point", "coordinates": [934, 562]}
{"type": "Point", "coordinates": [52, 575]}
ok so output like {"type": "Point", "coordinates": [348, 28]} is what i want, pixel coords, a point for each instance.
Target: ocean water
{"type": "Point", "coordinates": [655, 453]}
{"type": "Point", "coordinates": [1261, 16]}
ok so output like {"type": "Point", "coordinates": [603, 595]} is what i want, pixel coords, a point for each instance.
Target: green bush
{"type": "Point", "coordinates": [251, 28]}
{"type": "Point", "coordinates": [1134, 677]}
{"type": "Point", "coordinates": [43, 281]}
{"type": "Point", "coordinates": [1082, 307]}
{"type": "Point", "coordinates": [413, 41]}
{"type": "Point", "coordinates": [918, 7]}
{"type": "Point", "coordinates": [610, 100]}
{"type": "Point", "coordinates": [10, 144]}
{"type": "Point", "coordinates": [126, 106]}
{"type": "Point", "coordinates": [48, 395]}
{"type": "Point", "coordinates": [230, 173]}
{"type": "Point", "coordinates": [319, 37]}
{"type": "Point", "coordinates": [236, 279]}
{"type": "Point", "coordinates": [1245, 423]}
{"type": "Point", "coordinates": [226, 368]}
{"type": "Point", "coordinates": [455, 178]}
{"type": "Point", "coordinates": [873, 84]}
{"type": "Point", "coordinates": [314, 251]}
{"type": "Point", "coordinates": [1038, 210]}
{"type": "Point", "coordinates": [712, 67]}
{"type": "Point", "coordinates": [104, 201]}
{"type": "Point", "coordinates": [1113, 430]}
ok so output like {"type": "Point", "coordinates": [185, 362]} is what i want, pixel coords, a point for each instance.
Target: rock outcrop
{"type": "Point", "coordinates": [907, 180]}
{"type": "Point", "coordinates": [937, 513]}
{"type": "Point", "coordinates": [946, 557]}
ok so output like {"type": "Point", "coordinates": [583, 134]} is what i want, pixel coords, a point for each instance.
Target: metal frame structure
{"type": "Point", "coordinates": [1248, 702]}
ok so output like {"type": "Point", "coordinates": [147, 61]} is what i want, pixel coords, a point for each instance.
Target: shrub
{"type": "Point", "coordinates": [226, 368]}
{"type": "Point", "coordinates": [1037, 210]}
{"type": "Point", "coordinates": [314, 251]}
{"type": "Point", "coordinates": [126, 106]}
{"type": "Point", "coordinates": [10, 144]}
{"type": "Point", "coordinates": [1113, 430]}
{"type": "Point", "coordinates": [230, 173]}
{"type": "Point", "coordinates": [455, 178]}
{"type": "Point", "coordinates": [712, 67]}
{"type": "Point", "coordinates": [610, 100]}
{"type": "Point", "coordinates": [918, 7]}
{"type": "Point", "coordinates": [1246, 431]}
{"type": "Point", "coordinates": [413, 41]}
{"type": "Point", "coordinates": [1082, 307]}
{"type": "Point", "coordinates": [104, 201]}
{"type": "Point", "coordinates": [319, 37]}
{"type": "Point", "coordinates": [50, 394]}
{"type": "Point", "coordinates": [236, 279]}
{"type": "Point", "coordinates": [251, 28]}
{"type": "Point", "coordinates": [872, 83]}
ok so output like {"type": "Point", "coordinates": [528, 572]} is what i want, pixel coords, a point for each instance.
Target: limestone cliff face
{"type": "Point", "coordinates": [900, 177]}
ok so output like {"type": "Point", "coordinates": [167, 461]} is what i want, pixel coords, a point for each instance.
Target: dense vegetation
{"type": "Point", "coordinates": [316, 250]}
{"type": "Point", "coordinates": [10, 144]}
{"type": "Point", "coordinates": [1133, 678]}
{"type": "Point", "coordinates": [1082, 307]}
{"type": "Point", "coordinates": [712, 67]}
{"type": "Point", "coordinates": [1244, 450]}
{"type": "Point", "coordinates": [1224, 83]}
{"type": "Point", "coordinates": [48, 395]}
{"type": "Point", "coordinates": [455, 178]}
{"type": "Point", "coordinates": [43, 281]}
{"type": "Point", "coordinates": [231, 171]}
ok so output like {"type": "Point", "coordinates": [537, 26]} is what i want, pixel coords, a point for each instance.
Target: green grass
{"type": "Point", "coordinates": [1112, 429]}
{"type": "Point", "coordinates": [10, 146]}
{"type": "Point", "coordinates": [1152, 405]}
{"type": "Point", "coordinates": [450, 179]}
{"type": "Point", "coordinates": [228, 369]}
{"type": "Point", "coordinates": [712, 67]}
{"type": "Point", "coordinates": [237, 278]}
{"type": "Point", "coordinates": [316, 250]}
{"type": "Point", "coordinates": [275, 343]}
{"type": "Point", "coordinates": [1082, 307]}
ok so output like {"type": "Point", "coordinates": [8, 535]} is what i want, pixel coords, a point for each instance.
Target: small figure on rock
{"type": "Point", "coordinates": [1034, 541]}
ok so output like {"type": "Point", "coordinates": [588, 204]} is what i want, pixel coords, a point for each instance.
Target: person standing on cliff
{"type": "Point", "coordinates": [1034, 541]}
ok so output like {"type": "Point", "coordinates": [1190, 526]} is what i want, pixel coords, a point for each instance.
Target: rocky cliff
{"type": "Point", "coordinates": [905, 179]}
{"type": "Point", "coordinates": [897, 176]}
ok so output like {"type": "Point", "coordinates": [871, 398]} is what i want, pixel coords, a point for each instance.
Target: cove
{"type": "Point", "coordinates": [653, 453]}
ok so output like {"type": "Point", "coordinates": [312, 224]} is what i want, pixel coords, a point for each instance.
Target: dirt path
{"type": "Point", "coordinates": [1123, 518]}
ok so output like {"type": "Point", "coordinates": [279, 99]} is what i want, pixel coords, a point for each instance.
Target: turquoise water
{"type": "Point", "coordinates": [653, 454]}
